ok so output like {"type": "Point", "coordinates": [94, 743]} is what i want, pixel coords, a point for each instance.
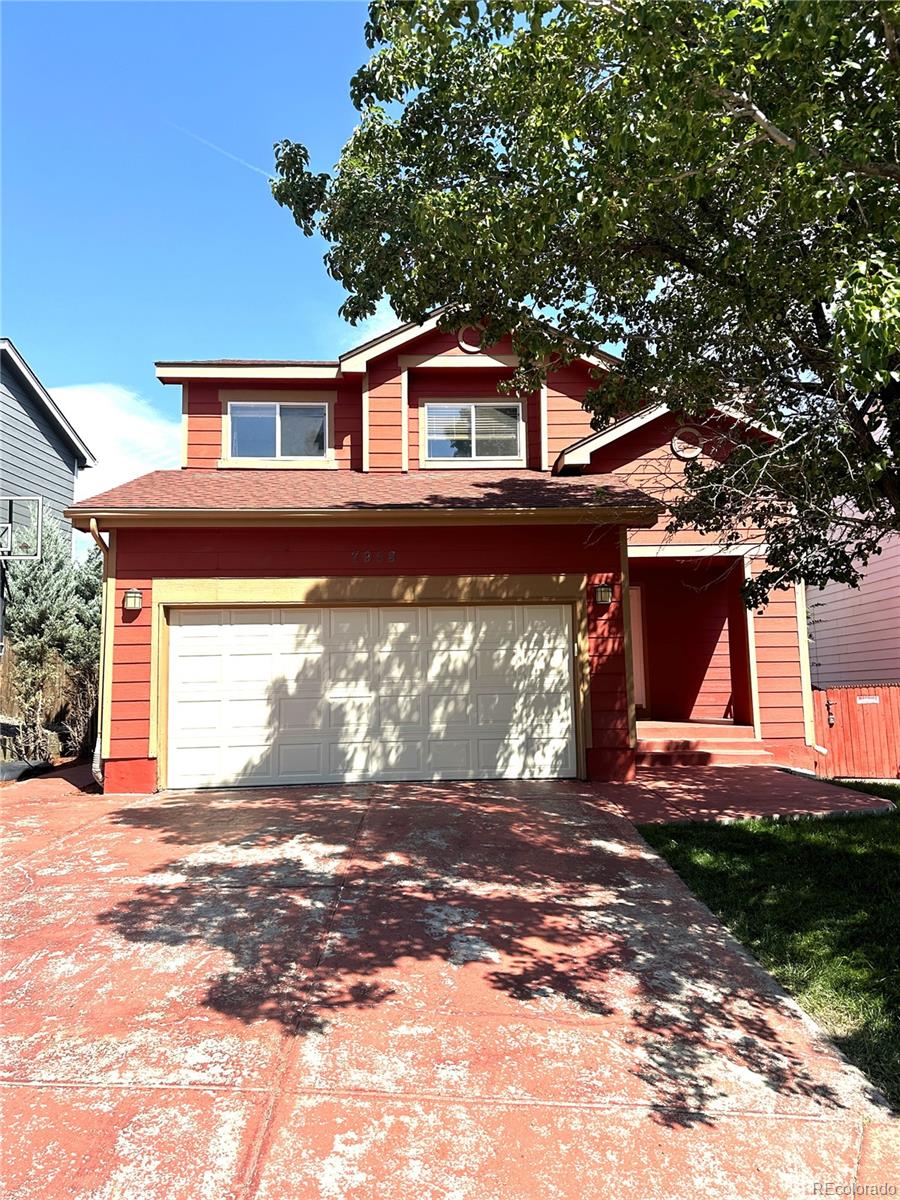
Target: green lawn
{"type": "Point", "coordinates": [818, 903]}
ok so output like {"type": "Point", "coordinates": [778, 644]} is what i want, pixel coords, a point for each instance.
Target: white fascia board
{"type": "Point", "coordinates": [356, 360]}
{"type": "Point", "coordinates": [579, 453]}
{"type": "Point", "coordinates": [696, 550]}
{"type": "Point", "coordinates": [181, 373]}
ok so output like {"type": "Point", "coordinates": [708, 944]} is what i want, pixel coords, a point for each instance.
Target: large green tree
{"type": "Point", "coordinates": [712, 186]}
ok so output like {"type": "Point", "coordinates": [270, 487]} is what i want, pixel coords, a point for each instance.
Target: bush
{"type": "Point", "coordinates": [53, 622]}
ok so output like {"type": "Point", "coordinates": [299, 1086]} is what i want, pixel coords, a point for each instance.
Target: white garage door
{"type": "Point", "coordinates": [303, 695]}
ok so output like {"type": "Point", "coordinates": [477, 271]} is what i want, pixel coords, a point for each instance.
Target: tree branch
{"type": "Point", "coordinates": [890, 37]}
{"type": "Point", "coordinates": [739, 104]}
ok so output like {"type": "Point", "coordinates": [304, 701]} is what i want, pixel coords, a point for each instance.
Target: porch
{"type": "Point", "coordinates": [691, 653]}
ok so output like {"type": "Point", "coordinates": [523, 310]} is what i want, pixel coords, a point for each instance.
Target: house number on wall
{"type": "Point", "coordinates": [373, 556]}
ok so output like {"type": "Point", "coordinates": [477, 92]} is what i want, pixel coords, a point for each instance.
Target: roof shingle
{"type": "Point", "coordinates": [281, 490]}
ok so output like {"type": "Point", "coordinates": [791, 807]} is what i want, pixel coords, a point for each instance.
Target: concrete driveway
{"type": "Point", "coordinates": [458, 992]}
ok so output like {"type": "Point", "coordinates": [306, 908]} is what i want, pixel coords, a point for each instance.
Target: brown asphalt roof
{"type": "Point", "coordinates": [281, 490]}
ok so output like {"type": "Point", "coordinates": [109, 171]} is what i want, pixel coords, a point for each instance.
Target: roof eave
{"type": "Point", "coordinates": [634, 516]}
{"type": "Point", "coordinates": [199, 372]}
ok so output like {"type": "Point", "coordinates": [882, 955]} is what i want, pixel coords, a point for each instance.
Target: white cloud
{"type": "Point", "coordinates": [126, 433]}
{"type": "Point", "coordinates": [383, 320]}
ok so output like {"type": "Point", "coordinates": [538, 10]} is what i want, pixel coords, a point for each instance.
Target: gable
{"type": "Point", "coordinates": [643, 456]}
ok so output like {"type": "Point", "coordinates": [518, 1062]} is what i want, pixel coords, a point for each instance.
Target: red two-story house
{"type": "Point", "coordinates": [381, 568]}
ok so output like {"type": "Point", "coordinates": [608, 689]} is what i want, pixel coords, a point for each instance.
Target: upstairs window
{"type": "Point", "coordinates": [278, 430]}
{"type": "Point", "coordinates": [474, 432]}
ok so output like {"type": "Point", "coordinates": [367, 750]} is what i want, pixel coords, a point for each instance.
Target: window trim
{"type": "Point", "coordinates": [240, 397]}
{"type": "Point", "coordinates": [474, 463]}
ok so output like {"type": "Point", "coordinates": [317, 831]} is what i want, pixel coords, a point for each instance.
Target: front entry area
{"type": "Point", "coordinates": [349, 694]}
{"type": "Point", "coordinates": [690, 641]}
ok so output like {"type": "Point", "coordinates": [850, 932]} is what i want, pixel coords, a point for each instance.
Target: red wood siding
{"type": "Point", "coordinates": [348, 425]}
{"type": "Point", "coordinates": [436, 342]}
{"type": "Point", "coordinates": [130, 672]}
{"type": "Point", "coordinates": [567, 419]}
{"type": "Point", "coordinates": [203, 414]}
{"type": "Point", "coordinates": [145, 554]}
{"type": "Point", "coordinates": [778, 670]}
{"type": "Point", "coordinates": [859, 727]}
{"type": "Point", "coordinates": [644, 459]}
{"type": "Point", "coordinates": [385, 416]}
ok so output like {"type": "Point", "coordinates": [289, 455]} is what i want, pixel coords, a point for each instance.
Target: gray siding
{"type": "Point", "coordinates": [855, 632]}
{"type": "Point", "coordinates": [35, 460]}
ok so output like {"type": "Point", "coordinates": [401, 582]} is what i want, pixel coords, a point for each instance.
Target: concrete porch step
{"type": "Point", "coordinates": [664, 745]}
{"type": "Point", "coordinates": [693, 730]}
{"type": "Point", "coordinates": [703, 755]}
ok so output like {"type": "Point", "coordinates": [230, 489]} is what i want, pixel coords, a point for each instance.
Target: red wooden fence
{"type": "Point", "coordinates": [859, 727]}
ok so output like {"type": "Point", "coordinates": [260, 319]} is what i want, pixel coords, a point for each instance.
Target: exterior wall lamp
{"type": "Point", "coordinates": [133, 600]}
{"type": "Point", "coordinates": [603, 593]}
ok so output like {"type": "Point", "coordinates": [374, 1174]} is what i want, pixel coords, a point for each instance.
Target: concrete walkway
{"type": "Point", "coordinates": [477, 991]}
{"type": "Point", "coordinates": [666, 795]}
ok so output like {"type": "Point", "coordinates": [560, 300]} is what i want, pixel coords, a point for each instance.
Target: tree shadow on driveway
{"type": "Point", "coordinates": [514, 902]}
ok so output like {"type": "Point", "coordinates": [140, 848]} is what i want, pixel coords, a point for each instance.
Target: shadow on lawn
{"type": "Point", "coordinates": [816, 901]}
{"type": "Point", "coordinates": [369, 896]}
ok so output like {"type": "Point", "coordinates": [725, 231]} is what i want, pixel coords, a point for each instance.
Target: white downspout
{"type": "Point", "coordinates": [96, 761]}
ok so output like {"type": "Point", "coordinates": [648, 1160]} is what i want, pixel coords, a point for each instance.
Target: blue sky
{"type": "Point", "coordinates": [124, 239]}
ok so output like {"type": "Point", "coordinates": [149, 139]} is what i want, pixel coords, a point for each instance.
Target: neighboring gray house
{"type": "Point", "coordinates": [40, 452]}
{"type": "Point", "coordinates": [855, 632]}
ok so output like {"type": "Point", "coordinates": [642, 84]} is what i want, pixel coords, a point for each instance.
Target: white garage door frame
{"type": "Point", "coordinates": [496, 643]}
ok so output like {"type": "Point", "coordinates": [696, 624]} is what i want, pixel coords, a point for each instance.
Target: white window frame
{"type": "Point", "coordinates": [323, 400]}
{"type": "Point", "coordinates": [517, 460]}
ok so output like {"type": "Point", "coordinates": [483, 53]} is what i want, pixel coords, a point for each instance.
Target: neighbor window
{"type": "Point", "coordinates": [474, 431]}
{"type": "Point", "coordinates": [278, 430]}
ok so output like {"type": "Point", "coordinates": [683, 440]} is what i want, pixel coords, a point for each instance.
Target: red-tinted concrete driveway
{"type": "Point", "coordinates": [468, 992]}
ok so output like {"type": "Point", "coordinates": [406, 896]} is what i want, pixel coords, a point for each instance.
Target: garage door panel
{"type": "Point", "coordinates": [495, 665]}
{"type": "Point", "coordinates": [349, 712]}
{"type": "Point", "coordinates": [450, 628]}
{"type": "Point", "coordinates": [351, 626]}
{"type": "Point", "coordinates": [199, 622]}
{"type": "Point", "coordinates": [400, 713]}
{"type": "Point", "coordinates": [197, 671]}
{"type": "Point", "coordinates": [546, 621]}
{"type": "Point", "coordinates": [245, 714]}
{"type": "Point", "coordinates": [348, 760]}
{"type": "Point", "coordinates": [450, 758]}
{"type": "Point", "coordinates": [251, 668]}
{"type": "Point", "coordinates": [302, 712]}
{"type": "Point", "coordinates": [349, 671]}
{"type": "Point", "coordinates": [397, 758]}
{"type": "Point", "coordinates": [448, 667]}
{"type": "Point", "coordinates": [193, 716]}
{"type": "Point", "coordinates": [495, 626]}
{"type": "Point", "coordinates": [400, 670]}
{"type": "Point", "coordinates": [324, 695]}
{"type": "Point", "coordinates": [299, 759]}
{"type": "Point", "coordinates": [302, 669]}
{"type": "Point", "coordinates": [302, 632]}
{"type": "Point", "coordinates": [449, 710]}
{"type": "Point", "coordinates": [399, 628]}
